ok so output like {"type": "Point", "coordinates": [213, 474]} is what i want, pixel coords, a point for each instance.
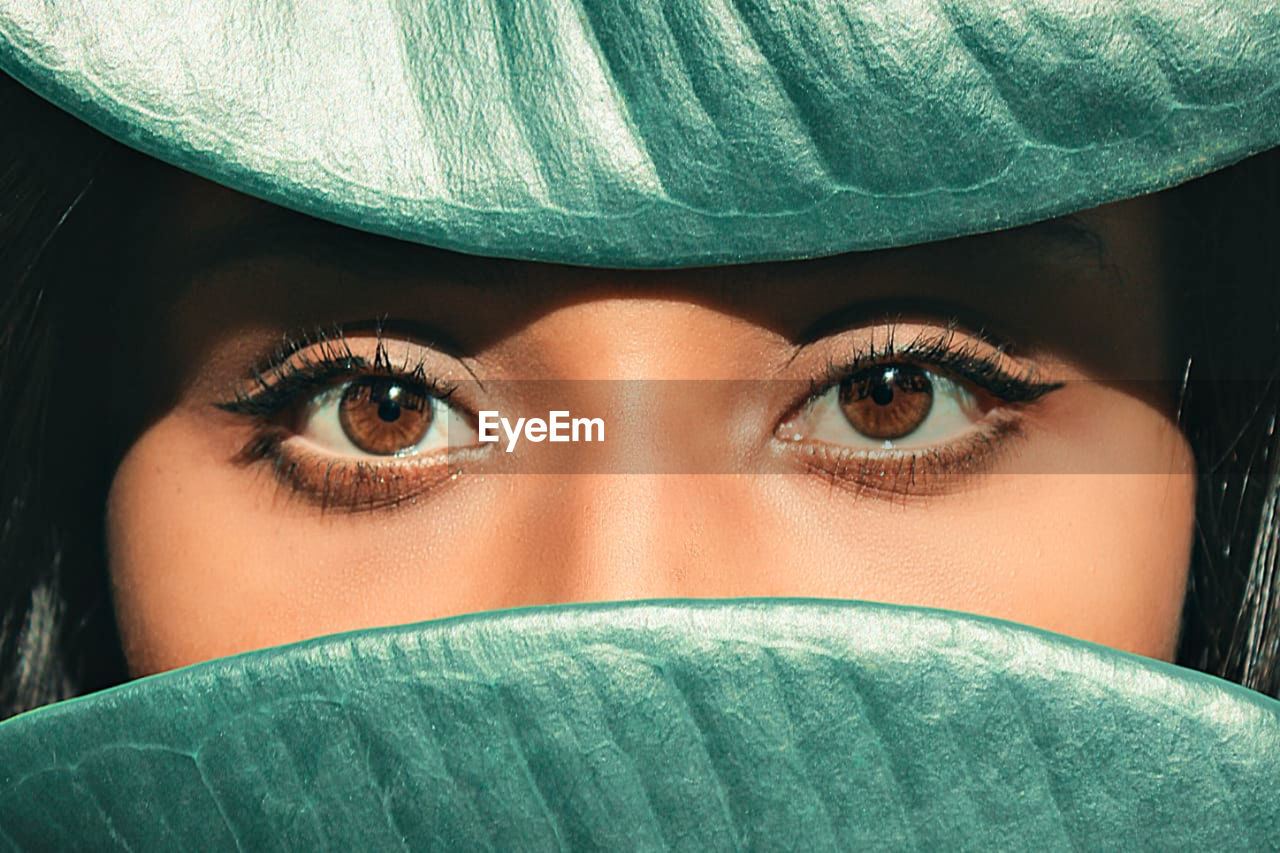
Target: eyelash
{"type": "Point", "coordinates": [929, 470]}
{"type": "Point", "coordinates": [303, 366]}
{"type": "Point", "coordinates": [941, 353]}
{"type": "Point", "coordinates": [294, 370]}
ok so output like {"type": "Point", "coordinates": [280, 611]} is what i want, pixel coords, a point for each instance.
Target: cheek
{"type": "Point", "coordinates": [1100, 557]}
{"type": "Point", "coordinates": [1112, 553]}
{"type": "Point", "coordinates": [208, 558]}
{"type": "Point", "coordinates": [179, 554]}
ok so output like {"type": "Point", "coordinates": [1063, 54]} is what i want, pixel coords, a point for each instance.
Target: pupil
{"type": "Point", "coordinates": [388, 410]}
{"type": "Point", "coordinates": [882, 393]}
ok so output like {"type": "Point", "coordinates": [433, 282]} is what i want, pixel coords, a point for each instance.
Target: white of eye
{"type": "Point", "coordinates": [953, 412]}
{"type": "Point", "coordinates": [320, 424]}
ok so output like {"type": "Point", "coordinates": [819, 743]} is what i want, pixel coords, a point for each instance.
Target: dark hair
{"type": "Point", "coordinates": [57, 630]}
{"type": "Point", "coordinates": [1227, 235]}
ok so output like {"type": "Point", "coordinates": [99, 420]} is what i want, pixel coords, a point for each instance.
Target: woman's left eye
{"type": "Point", "coordinates": [885, 407]}
{"type": "Point", "coordinates": [380, 416]}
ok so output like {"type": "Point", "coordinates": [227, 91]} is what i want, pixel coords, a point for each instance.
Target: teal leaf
{"type": "Point", "coordinates": [699, 725]}
{"type": "Point", "coordinates": [665, 133]}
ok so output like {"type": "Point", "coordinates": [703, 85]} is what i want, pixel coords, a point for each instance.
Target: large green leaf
{"type": "Point", "coordinates": [668, 132]}
{"type": "Point", "coordinates": [696, 725]}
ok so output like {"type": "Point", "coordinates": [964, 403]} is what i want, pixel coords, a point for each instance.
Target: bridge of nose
{"type": "Point", "coordinates": [661, 506]}
{"type": "Point", "coordinates": [642, 338]}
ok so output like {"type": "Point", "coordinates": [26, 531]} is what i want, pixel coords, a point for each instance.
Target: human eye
{"type": "Point", "coordinates": [354, 430]}
{"type": "Point", "coordinates": [377, 416]}
{"type": "Point", "coordinates": [907, 418]}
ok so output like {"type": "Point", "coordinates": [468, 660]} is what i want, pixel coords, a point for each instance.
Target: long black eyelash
{"type": "Point", "coordinates": [967, 361]}
{"type": "Point", "coordinates": [309, 363]}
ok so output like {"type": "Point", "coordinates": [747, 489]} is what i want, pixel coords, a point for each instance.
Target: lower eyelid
{"type": "Point", "coordinates": [914, 472]}
{"type": "Point", "coordinates": [351, 483]}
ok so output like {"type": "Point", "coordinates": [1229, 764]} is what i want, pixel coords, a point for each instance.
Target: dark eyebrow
{"type": "Point", "coordinates": [278, 232]}
{"type": "Point", "coordinates": [1066, 235]}
{"type": "Point", "coordinates": [1068, 232]}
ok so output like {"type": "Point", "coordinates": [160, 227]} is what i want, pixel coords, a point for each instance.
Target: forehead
{"type": "Point", "coordinates": [1093, 281]}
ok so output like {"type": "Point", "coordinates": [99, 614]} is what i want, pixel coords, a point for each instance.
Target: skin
{"type": "Point", "coordinates": [1080, 523]}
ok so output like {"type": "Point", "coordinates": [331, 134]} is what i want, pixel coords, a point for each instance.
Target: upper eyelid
{"type": "Point", "coordinates": [281, 384]}
{"type": "Point", "coordinates": [890, 336]}
{"type": "Point", "coordinates": [897, 313]}
{"type": "Point", "coordinates": [921, 352]}
{"type": "Point", "coordinates": [384, 329]}
{"type": "Point", "coordinates": [964, 361]}
{"type": "Point", "coordinates": [330, 346]}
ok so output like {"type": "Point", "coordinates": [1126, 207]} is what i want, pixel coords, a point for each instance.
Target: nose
{"type": "Point", "coordinates": [661, 506]}
{"type": "Point", "coordinates": [647, 511]}
{"type": "Point", "coordinates": [611, 537]}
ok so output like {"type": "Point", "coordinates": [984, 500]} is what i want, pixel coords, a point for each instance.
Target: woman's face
{"type": "Point", "coordinates": [980, 425]}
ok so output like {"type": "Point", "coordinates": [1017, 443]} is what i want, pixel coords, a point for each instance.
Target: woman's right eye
{"type": "Point", "coordinates": [381, 416]}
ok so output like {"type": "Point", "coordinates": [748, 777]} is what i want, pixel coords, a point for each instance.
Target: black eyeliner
{"type": "Point", "coordinates": [965, 362]}
{"type": "Point", "coordinates": [309, 363]}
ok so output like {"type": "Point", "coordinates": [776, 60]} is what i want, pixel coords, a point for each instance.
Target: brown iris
{"type": "Point", "coordinates": [887, 402]}
{"type": "Point", "coordinates": [383, 416]}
